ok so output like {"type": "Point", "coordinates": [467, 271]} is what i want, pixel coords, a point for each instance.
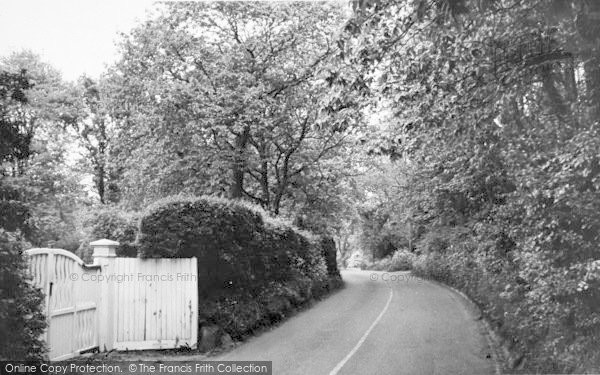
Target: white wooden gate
{"type": "Point", "coordinates": [120, 303]}
{"type": "Point", "coordinates": [156, 303]}
{"type": "Point", "coordinates": [71, 303]}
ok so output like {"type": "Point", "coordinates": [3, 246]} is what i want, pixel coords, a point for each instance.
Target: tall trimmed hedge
{"type": "Point", "coordinates": [252, 269]}
{"type": "Point", "coordinates": [238, 245]}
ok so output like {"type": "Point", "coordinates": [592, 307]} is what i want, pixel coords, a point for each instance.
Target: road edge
{"type": "Point", "coordinates": [494, 342]}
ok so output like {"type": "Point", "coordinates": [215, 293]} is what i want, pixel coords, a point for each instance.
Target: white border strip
{"type": "Point", "coordinates": [341, 364]}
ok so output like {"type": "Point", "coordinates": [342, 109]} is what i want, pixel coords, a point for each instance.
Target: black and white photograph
{"type": "Point", "coordinates": [300, 187]}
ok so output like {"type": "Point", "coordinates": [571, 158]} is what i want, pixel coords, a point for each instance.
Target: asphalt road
{"type": "Point", "coordinates": [380, 323]}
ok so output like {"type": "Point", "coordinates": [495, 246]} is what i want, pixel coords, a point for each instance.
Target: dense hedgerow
{"type": "Point", "coordinates": [528, 254]}
{"type": "Point", "coordinates": [546, 316]}
{"type": "Point", "coordinates": [252, 268]}
{"type": "Point", "coordinates": [22, 321]}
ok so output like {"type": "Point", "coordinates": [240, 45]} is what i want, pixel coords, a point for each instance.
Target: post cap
{"type": "Point", "coordinates": [104, 242]}
{"type": "Point", "coordinates": [104, 248]}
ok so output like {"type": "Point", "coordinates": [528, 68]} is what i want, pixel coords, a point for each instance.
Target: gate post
{"type": "Point", "coordinates": [104, 255]}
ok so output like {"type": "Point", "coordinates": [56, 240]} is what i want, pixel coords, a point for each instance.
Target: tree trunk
{"type": "Point", "coordinates": [100, 174]}
{"type": "Point", "coordinates": [588, 29]}
{"type": "Point", "coordinates": [237, 186]}
{"type": "Point", "coordinates": [592, 82]}
{"type": "Point", "coordinates": [281, 187]}
{"type": "Point", "coordinates": [266, 195]}
{"type": "Point", "coordinates": [237, 169]}
{"type": "Point", "coordinates": [100, 185]}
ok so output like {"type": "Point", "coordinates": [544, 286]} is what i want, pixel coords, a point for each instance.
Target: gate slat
{"type": "Point", "coordinates": [58, 273]}
{"type": "Point", "coordinates": [160, 314]}
{"type": "Point", "coordinates": [147, 314]}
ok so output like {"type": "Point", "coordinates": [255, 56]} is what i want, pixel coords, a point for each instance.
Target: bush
{"type": "Point", "coordinates": [402, 260]}
{"type": "Point", "coordinates": [244, 256]}
{"type": "Point", "coordinates": [113, 224]}
{"type": "Point", "coordinates": [240, 314]}
{"type": "Point", "coordinates": [378, 264]}
{"type": "Point", "coordinates": [22, 321]}
{"type": "Point", "coordinates": [433, 266]}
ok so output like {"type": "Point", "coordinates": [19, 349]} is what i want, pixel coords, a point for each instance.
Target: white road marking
{"type": "Point", "coordinates": [341, 364]}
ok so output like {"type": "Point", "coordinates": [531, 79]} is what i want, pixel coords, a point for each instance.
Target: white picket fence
{"type": "Point", "coordinates": [115, 303]}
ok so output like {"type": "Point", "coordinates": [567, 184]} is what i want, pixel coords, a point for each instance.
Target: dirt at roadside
{"type": "Point", "coordinates": [152, 355]}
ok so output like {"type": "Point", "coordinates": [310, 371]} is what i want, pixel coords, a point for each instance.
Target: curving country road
{"type": "Point", "coordinates": [380, 323]}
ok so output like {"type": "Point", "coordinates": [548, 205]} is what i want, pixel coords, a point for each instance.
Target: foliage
{"type": "Point", "coordinates": [14, 148]}
{"type": "Point", "coordinates": [55, 193]}
{"type": "Point", "coordinates": [241, 314]}
{"type": "Point", "coordinates": [383, 223]}
{"type": "Point", "coordinates": [483, 145]}
{"type": "Point", "coordinates": [440, 239]}
{"type": "Point", "coordinates": [232, 104]}
{"type": "Point", "coordinates": [244, 255]}
{"type": "Point", "coordinates": [238, 246]}
{"type": "Point", "coordinates": [492, 125]}
{"type": "Point", "coordinates": [329, 253]}
{"type": "Point", "coordinates": [15, 212]}
{"type": "Point", "coordinates": [51, 102]}
{"type": "Point", "coordinates": [95, 130]}
{"type": "Point", "coordinates": [111, 223]}
{"type": "Point", "coordinates": [14, 141]}
{"type": "Point", "coordinates": [37, 172]}
{"type": "Point", "coordinates": [22, 321]}
{"type": "Point", "coordinates": [400, 260]}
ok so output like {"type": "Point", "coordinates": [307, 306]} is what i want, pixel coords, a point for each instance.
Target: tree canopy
{"type": "Point", "coordinates": [232, 94]}
{"type": "Point", "coordinates": [491, 118]}
{"type": "Point", "coordinates": [461, 135]}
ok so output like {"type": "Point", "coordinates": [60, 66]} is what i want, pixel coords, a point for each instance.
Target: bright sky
{"type": "Point", "coordinates": [75, 36]}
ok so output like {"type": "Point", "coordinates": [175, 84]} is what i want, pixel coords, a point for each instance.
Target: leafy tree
{"type": "Point", "coordinates": [234, 96]}
{"type": "Point", "coordinates": [95, 130]}
{"type": "Point", "coordinates": [38, 169]}
{"type": "Point", "coordinates": [492, 125]}
{"type": "Point", "coordinates": [14, 147]}
{"type": "Point", "coordinates": [21, 320]}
